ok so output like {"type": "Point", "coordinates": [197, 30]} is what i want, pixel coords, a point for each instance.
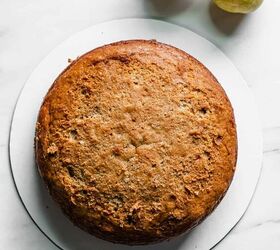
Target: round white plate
{"type": "Point", "coordinates": [37, 201]}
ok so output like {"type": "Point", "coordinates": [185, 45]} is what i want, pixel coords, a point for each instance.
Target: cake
{"type": "Point", "coordinates": [136, 141]}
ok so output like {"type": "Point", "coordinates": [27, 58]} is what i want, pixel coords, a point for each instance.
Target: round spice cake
{"type": "Point", "coordinates": [136, 141]}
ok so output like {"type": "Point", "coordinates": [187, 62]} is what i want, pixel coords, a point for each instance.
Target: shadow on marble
{"type": "Point", "coordinates": [166, 7]}
{"type": "Point", "coordinates": [226, 22]}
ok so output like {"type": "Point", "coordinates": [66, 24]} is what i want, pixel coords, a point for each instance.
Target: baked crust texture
{"type": "Point", "coordinates": [136, 141]}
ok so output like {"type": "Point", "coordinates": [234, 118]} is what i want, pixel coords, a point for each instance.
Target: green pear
{"type": "Point", "coordinates": [238, 6]}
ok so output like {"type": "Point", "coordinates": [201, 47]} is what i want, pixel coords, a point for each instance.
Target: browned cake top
{"type": "Point", "coordinates": [136, 141]}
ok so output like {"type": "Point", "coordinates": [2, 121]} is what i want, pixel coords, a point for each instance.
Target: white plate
{"type": "Point", "coordinates": [37, 201]}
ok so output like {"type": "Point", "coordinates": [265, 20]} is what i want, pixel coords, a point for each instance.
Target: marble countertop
{"type": "Point", "coordinates": [30, 29]}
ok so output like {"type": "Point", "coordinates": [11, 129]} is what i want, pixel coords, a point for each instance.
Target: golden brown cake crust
{"type": "Point", "coordinates": [136, 141]}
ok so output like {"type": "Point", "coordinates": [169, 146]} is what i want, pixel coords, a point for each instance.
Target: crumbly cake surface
{"type": "Point", "coordinates": [136, 142]}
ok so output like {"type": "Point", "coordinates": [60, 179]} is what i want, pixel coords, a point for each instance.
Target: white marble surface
{"type": "Point", "coordinates": [30, 29]}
